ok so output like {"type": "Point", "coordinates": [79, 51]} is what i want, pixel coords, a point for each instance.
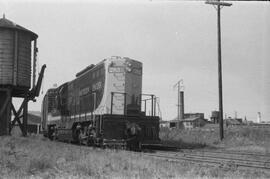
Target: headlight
{"type": "Point", "coordinates": [128, 69]}
{"type": "Point", "coordinates": [128, 64]}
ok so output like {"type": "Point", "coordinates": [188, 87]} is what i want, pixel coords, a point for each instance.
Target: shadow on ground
{"type": "Point", "coordinates": [186, 145]}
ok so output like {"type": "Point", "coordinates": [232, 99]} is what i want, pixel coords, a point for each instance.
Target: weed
{"type": "Point", "coordinates": [39, 164]}
{"type": "Point", "coordinates": [235, 136]}
{"type": "Point", "coordinates": [38, 158]}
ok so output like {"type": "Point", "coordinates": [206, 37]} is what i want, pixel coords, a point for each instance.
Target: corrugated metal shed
{"type": "Point", "coordinates": [231, 121]}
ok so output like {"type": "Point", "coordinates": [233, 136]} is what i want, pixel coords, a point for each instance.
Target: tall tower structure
{"type": "Point", "coordinates": [259, 117]}
{"type": "Point", "coordinates": [180, 96]}
{"type": "Point", "coordinates": [181, 105]}
{"type": "Point", "coordinates": [18, 51]}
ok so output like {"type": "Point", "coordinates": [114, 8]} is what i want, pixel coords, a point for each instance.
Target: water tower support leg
{"type": "Point", "coordinates": [5, 101]}
{"type": "Point", "coordinates": [16, 118]}
{"type": "Point", "coordinates": [17, 115]}
{"type": "Point", "coordinates": [25, 116]}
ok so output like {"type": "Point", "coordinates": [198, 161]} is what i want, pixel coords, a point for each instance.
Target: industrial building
{"type": "Point", "coordinates": [185, 120]}
{"type": "Point", "coordinates": [191, 120]}
{"type": "Point", "coordinates": [233, 121]}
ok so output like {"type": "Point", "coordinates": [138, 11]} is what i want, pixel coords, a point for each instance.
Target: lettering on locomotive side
{"type": "Point", "coordinates": [96, 86]}
{"type": "Point", "coordinates": [116, 69]}
{"type": "Point", "coordinates": [84, 91]}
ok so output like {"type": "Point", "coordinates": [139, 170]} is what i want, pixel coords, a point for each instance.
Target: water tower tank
{"type": "Point", "coordinates": [215, 114]}
{"type": "Point", "coordinates": [15, 56]}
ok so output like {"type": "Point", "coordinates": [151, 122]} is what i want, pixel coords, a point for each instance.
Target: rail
{"type": "Point", "coordinates": [221, 159]}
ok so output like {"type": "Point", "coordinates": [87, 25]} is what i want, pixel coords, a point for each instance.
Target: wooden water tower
{"type": "Point", "coordinates": [18, 51]}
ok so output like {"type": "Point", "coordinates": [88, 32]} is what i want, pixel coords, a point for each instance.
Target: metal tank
{"type": "Point", "coordinates": [215, 116]}
{"type": "Point", "coordinates": [15, 56]}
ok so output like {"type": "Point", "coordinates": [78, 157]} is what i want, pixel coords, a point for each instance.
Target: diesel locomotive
{"type": "Point", "coordinates": [103, 106]}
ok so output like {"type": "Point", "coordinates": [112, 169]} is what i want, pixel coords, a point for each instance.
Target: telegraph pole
{"type": "Point", "coordinates": [217, 4]}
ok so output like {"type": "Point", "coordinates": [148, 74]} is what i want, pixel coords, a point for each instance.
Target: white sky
{"type": "Point", "coordinates": [174, 40]}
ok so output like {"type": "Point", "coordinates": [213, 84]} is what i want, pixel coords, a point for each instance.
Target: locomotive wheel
{"type": "Point", "coordinates": [82, 138]}
{"type": "Point", "coordinates": [54, 134]}
{"type": "Point", "coordinates": [79, 134]}
{"type": "Point", "coordinates": [90, 141]}
{"type": "Point", "coordinates": [139, 147]}
{"type": "Point", "coordinates": [51, 133]}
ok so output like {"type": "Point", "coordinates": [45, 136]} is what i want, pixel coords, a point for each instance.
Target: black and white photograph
{"type": "Point", "coordinates": [134, 89]}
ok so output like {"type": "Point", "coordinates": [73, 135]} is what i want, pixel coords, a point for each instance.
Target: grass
{"type": "Point", "coordinates": [37, 157]}
{"type": "Point", "coordinates": [236, 137]}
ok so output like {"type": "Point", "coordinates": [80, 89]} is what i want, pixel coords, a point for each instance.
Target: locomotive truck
{"type": "Point", "coordinates": [103, 106]}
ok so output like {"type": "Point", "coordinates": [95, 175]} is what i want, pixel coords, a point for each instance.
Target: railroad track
{"type": "Point", "coordinates": [214, 158]}
{"type": "Point", "coordinates": [217, 158]}
{"type": "Point", "coordinates": [233, 152]}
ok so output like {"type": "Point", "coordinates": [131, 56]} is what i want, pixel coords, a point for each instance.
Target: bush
{"type": "Point", "coordinates": [209, 137]}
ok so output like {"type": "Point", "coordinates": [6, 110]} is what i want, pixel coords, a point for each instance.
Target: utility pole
{"type": "Point", "coordinates": [217, 4]}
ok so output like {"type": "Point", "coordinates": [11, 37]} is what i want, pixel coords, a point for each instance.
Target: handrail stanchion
{"type": "Point", "coordinates": [152, 105]}
{"type": "Point", "coordinates": [125, 102]}
{"type": "Point", "coordinates": [112, 102]}
{"type": "Point", "coordinates": [145, 106]}
{"type": "Point", "coordinates": [155, 101]}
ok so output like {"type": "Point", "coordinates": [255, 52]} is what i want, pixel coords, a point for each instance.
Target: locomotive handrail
{"type": "Point", "coordinates": [153, 103]}
{"type": "Point", "coordinates": [146, 99]}
{"type": "Point", "coordinates": [158, 107]}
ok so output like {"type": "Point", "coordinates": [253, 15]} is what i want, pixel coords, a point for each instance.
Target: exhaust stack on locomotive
{"type": "Point", "coordinates": [102, 106]}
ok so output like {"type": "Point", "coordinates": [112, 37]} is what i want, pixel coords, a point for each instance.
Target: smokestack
{"type": "Point", "coordinates": [259, 117]}
{"type": "Point", "coordinates": [181, 105]}
{"type": "Point", "coordinates": [235, 114]}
